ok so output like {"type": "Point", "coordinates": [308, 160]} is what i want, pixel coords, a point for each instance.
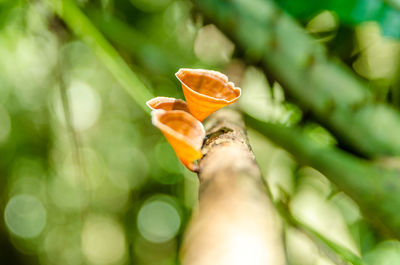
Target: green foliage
{"type": "Point", "coordinates": [350, 12]}
{"type": "Point", "coordinates": [85, 177]}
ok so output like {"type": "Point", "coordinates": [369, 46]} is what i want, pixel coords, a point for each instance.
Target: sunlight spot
{"type": "Point", "coordinates": [158, 221]}
{"type": "Point", "coordinates": [25, 216]}
{"type": "Point", "coordinates": [103, 240]}
{"type": "Point", "coordinates": [85, 105]}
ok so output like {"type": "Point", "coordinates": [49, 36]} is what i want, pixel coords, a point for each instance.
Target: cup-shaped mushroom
{"type": "Point", "coordinates": [184, 133]}
{"type": "Point", "coordinates": [167, 103]}
{"type": "Point", "coordinates": [206, 91]}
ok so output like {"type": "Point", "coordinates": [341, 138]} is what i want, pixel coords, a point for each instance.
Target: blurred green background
{"type": "Point", "coordinates": [86, 179]}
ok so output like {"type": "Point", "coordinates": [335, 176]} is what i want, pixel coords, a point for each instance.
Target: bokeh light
{"type": "Point", "coordinates": [105, 187]}
{"type": "Point", "coordinates": [158, 220]}
{"type": "Point", "coordinates": [25, 216]}
{"type": "Point", "coordinates": [103, 240]}
{"type": "Point", "coordinates": [85, 106]}
{"type": "Point", "coordinates": [62, 245]}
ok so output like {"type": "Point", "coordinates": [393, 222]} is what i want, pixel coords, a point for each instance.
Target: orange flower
{"type": "Point", "coordinates": [206, 91]}
{"type": "Point", "coordinates": [184, 133]}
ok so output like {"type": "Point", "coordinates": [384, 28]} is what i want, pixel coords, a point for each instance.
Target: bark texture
{"type": "Point", "coordinates": [235, 222]}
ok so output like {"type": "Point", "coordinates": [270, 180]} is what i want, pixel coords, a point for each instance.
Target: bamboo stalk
{"type": "Point", "coordinates": [235, 222]}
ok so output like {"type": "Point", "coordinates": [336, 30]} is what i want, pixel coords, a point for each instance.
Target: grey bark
{"type": "Point", "coordinates": [235, 222]}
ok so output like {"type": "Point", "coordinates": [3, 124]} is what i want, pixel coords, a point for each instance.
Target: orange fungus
{"type": "Point", "coordinates": [184, 133]}
{"type": "Point", "coordinates": [206, 91]}
{"type": "Point", "coordinates": [167, 103]}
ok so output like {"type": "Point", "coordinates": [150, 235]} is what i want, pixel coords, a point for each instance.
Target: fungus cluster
{"type": "Point", "coordinates": [205, 92]}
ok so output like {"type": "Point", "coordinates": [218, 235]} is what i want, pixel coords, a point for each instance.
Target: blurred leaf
{"type": "Point", "coordinates": [386, 253]}
{"type": "Point", "coordinates": [350, 12]}
{"type": "Point", "coordinates": [83, 27]}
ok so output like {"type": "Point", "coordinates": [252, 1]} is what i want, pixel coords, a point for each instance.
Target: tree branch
{"type": "Point", "coordinates": [235, 222]}
{"type": "Point", "coordinates": [374, 188]}
{"type": "Point", "coordinates": [334, 94]}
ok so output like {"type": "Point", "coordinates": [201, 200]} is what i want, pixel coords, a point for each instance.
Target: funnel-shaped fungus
{"type": "Point", "coordinates": [206, 91]}
{"type": "Point", "coordinates": [184, 133]}
{"type": "Point", "coordinates": [167, 103]}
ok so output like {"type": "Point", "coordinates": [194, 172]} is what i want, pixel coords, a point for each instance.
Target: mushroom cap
{"type": "Point", "coordinates": [184, 133]}
{"type": "Point", "coordinates": [206, 91]}
{"type": "Point", "coordinates": [167, 103]}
